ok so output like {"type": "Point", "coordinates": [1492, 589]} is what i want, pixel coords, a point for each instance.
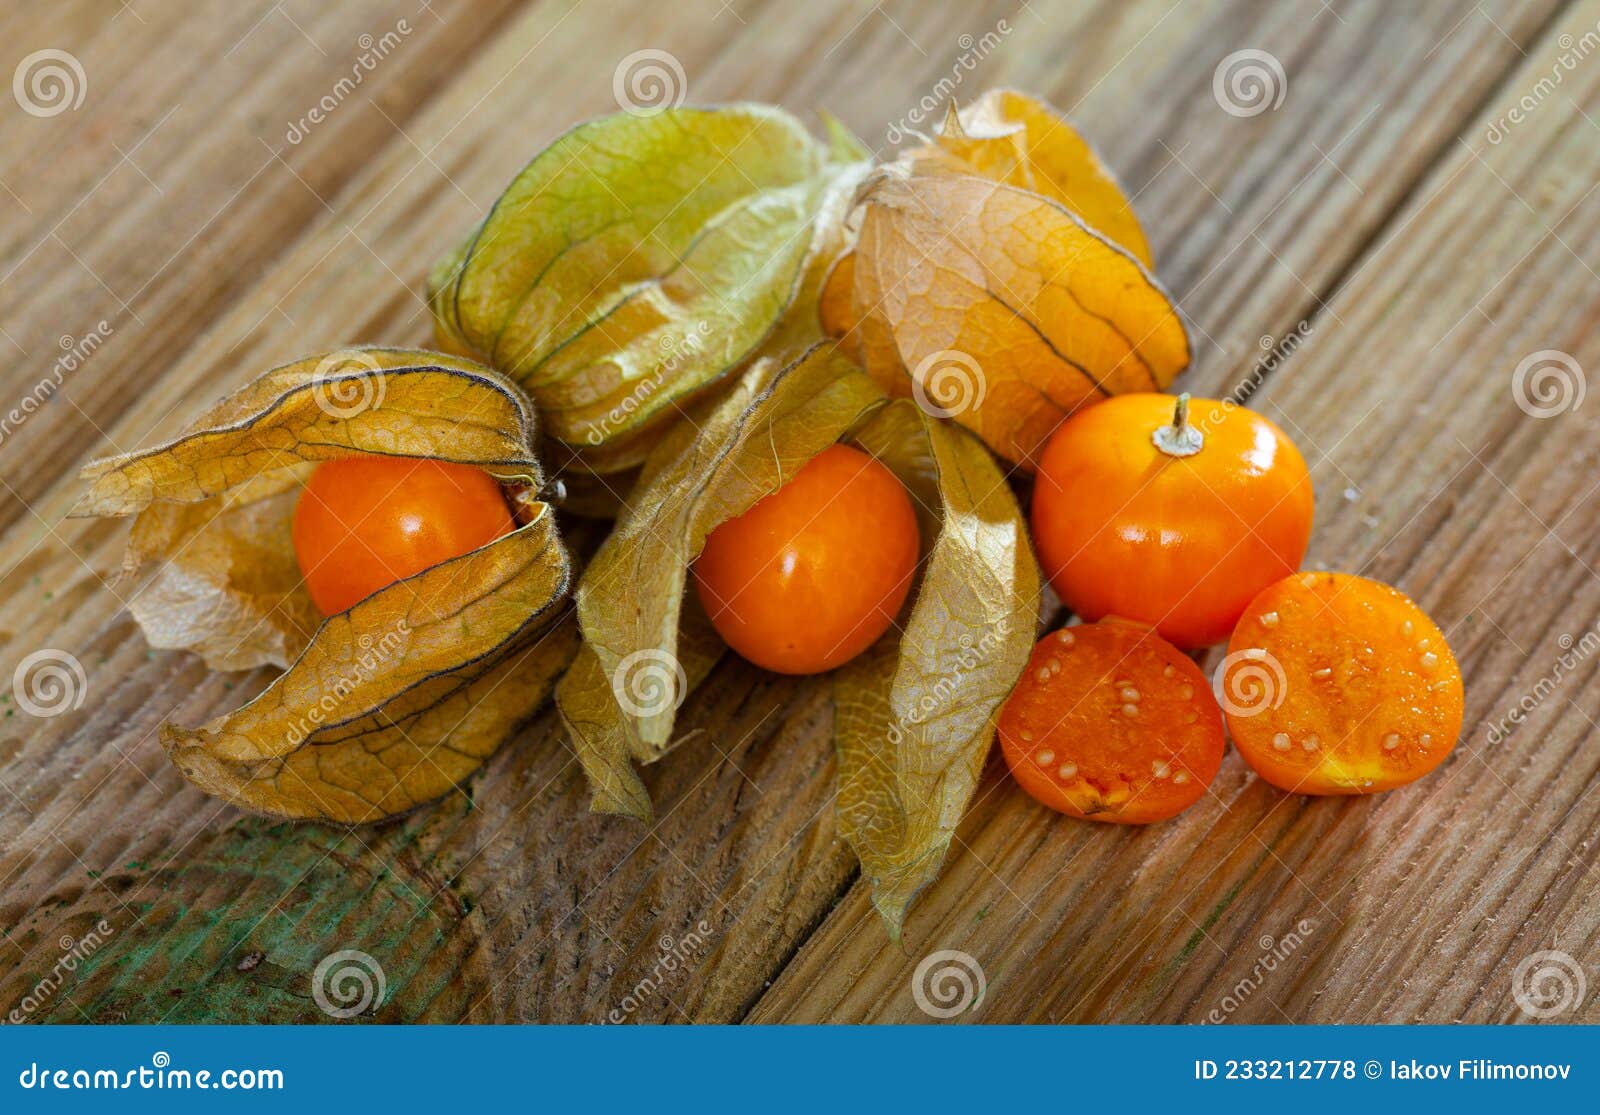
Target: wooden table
{"type": "Point", "coordinates": [1380, 250]}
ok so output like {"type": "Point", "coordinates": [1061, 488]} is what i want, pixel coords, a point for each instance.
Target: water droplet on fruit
{"type": "Point", "coordinates": [1067, 771]}
{"type": "Point", "coordinates": [1130, 709]}
{"type": "Point", "coordinates": [1043, 674]}
{"type": "Point", "coordinates": [1269, 619]}
{"type": "Point", "coordinates": [1310, 742]}
{"type": "Point", "coordinates": [1045, 757]}
{"type": "Point", "coordinates": [1159, 768]}
{"type": "Point", "coordinates": [1187, 692]}
{"type": "Point", "coordinates": [1167, 671]}
{"type": "Point", "coordinates": [1281, 741]}
{"type": "Point", "coordinates": [1065, 637]}
{"type": "Point", "coordinates": [1129, 693]}
{"type": "Point", "coordinates": [1325, 672]}
{"type": "Point", "coordinates": [1391, 741]}
{"type": "Point", "coordinates": [1430, 660]}
{"type": "Point", "coordinates": [1180, 778]}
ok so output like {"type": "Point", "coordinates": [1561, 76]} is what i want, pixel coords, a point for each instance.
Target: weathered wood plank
{"type": "Point", "coordinates": [170, 198]}
{"type": "Point", "coordinates": [1416, 905]}
{"type": "Point", "coordinates": [509, 902]}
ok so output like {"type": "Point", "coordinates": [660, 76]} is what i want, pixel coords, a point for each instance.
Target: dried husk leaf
{"type": "Point", "coordinates": [635, 262]}
{"type": "Point", "coordinates": [631, 599]}
{"type": "Point", "coordinates": [603, 739]}
{"type": "Point", "coordinates": [396, 402]}
{"type": "Point", "coordinates": [219, 576]}
{"type": "Point", "coordinates": [400, 698]}
{"type": "Point", "coordinates": [1011, 137]}
{"type": "Point", "coordinates": [1008, 311]}
{"type": "Point", "coordinates": [392, 702]}
{"type": "Point", "coordinates": [915, 715]}
{"type": "Point", "coordinates": [211, 538]}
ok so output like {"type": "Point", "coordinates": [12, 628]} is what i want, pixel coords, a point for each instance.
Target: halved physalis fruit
{"type": "Point", "coordinates": [403, 691]}
{"type": "Point", "coordinates": [1110, 722]}
{"type": "Point", "coordinates": [1337, 684]}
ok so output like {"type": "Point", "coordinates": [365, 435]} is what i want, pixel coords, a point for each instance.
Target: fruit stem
{"type": "Point", "coordinates": [1179, 439]}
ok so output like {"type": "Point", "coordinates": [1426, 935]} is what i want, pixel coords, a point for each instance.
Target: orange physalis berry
{"type": "Point", "coordinates": [1138, 513]}
{"type": "Point", "coordinates": [364, 523]}
{"type": "Point", "coordinates": [811, 575]}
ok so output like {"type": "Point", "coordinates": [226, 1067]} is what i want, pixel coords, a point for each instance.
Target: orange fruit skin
{"type": "Point", "coordinates": [1180, 543]}
{"type": "Point", "coordinates": [814, 573]}
{"type": "Point", "coordinates": [1111, 722]}
{"type": "Point", "coordinates": [363, 523]}
{"type": "Point", "coordinates": [1356, 669]}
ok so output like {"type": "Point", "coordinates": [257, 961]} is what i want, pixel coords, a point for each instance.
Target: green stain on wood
{"type": "Point", "coordinates": [1214, 915]}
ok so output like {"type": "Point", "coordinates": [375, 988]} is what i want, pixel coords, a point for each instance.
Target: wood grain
{"type": "Point", "coordinates": [1411, 906]}
{"type": "Point", "coordinates": [215, 248]}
